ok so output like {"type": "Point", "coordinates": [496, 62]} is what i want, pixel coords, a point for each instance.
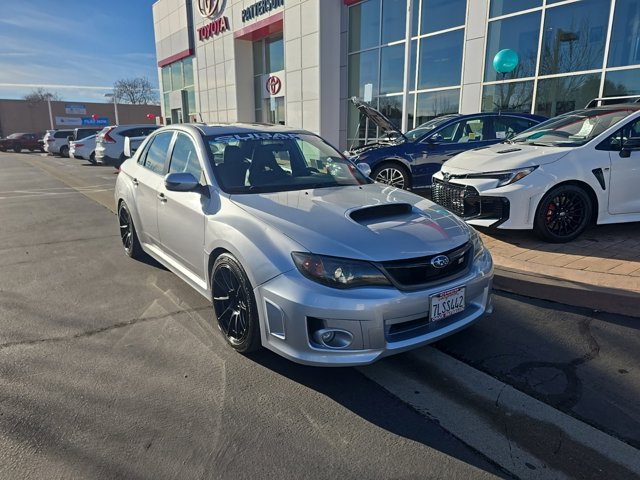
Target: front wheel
{"type": "Point", "coordinates": [234, 304]}
{"type": "Point", "coordinates": [563, 214]}
{"type": "Point", "coordinates": [17, 148]}
{"type": "Point", "coordinates": [64, 151]}
{"type": "Point", "coordinates": [392, 174]}
{"type": "Point", "coordinates": [128, 234]}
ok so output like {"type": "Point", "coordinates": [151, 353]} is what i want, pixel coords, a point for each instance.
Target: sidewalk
{"type": "Point", "coordinates": [599, 270]}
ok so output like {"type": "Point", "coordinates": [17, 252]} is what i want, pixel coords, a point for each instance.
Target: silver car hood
{"type": "Point", "coordinates": [504, 156]}
{"type": "Point", "coordinates": [370, 222]}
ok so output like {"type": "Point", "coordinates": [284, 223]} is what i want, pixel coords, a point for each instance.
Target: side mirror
{"type": "Point", "coordinates": [364, 168]}
{"type": "Point", "coordinates": [129, 149]}
{"type": "Point", "coordinates": [180, 182]}
{"type": "Point", "coordinates": [435, 138]}
{"type": "Point", "coordinates": [631, 145]}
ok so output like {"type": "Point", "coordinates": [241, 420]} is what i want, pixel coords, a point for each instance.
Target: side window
{"type": "Point", "coordinates": [132, 132]}
{"type": "Point", "coordinates": [615, 141]}
{"type": "Point", "coordinates": [157, 152]}
{"type": "Point", "coordinates": [507, 127]}
{"type": "Point", "coordinates": [471, 131]}
{"type": "Point", "coordinates": [448, 133]}
{"type": "Point", "coordinates": [184, 157]}
{"type": "Point", "coordinates": [146, 131]}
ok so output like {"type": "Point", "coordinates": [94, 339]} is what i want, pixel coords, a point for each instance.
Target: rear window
{"type": "Point", "coordinates": [62, 134]}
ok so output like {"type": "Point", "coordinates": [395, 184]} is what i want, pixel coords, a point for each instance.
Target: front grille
{"type": "Point", "coordinates": [419, 272]}
{"type": "Point", "coordinates": [452, 197]}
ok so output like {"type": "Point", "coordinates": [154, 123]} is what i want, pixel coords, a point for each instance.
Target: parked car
{"type": "Point", "coordinates": [57, 141]}
{"type": "Point", "coordinates": [409, 160]}
{"type": "Point", "coordinates": [110, 142]}
{"type": "Point", "coordinates": [22, 141]}
{"type": "Point", "coordinates": [84, 148]}
{"type": "Point", "coordinates": [557, 178]}
{"type": "Point", "coordinates": [83, 132]}
{"type": "Point", "coordinates": [298, 250]}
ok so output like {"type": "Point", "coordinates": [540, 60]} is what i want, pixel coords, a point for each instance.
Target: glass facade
{"type": "Point", "coordinates": [178, 77]}
{"type": "Point", "coordinates": [376, 46]}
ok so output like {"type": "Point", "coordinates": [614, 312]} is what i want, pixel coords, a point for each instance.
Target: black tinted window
{"type": "Point", "coordinates": [62, 134]}
{"type": "Point", "coordinates": [184, 157]}
{"type": "Point", "coordinates": [506, 127]}
{"type": "Point", "coordinates": [146, 131]}
{"type": "Point", "coordinates": [132, 132]}
{"type": "Point", "coordinates": [158, 152]}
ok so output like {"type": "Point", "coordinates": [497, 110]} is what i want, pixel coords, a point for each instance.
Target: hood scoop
{"type": "Point", "coordinates": [509, 150]}
{"type": "Point", "coordinates": [377, 213]}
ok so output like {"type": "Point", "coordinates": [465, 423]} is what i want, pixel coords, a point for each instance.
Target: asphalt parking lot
{"type": "Point", "coordinates": [112, 368]}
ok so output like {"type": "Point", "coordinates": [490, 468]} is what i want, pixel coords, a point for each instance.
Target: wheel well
{"type": "Point", "coordinates": [396, 162]}
{"type": "Point", "coordinates": [213, 256]}
{"type": "Point", "coordinates": [592, 196]}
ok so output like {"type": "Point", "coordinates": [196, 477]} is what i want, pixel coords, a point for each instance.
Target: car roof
{"type": "Point", "coordinates": [232, 128]}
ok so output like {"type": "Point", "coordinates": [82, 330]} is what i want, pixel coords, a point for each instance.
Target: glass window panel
{"type": "Point", "coordinates": [158, 152]}
{"type": "Point", "coordinates": [574, 37]}
{"type": "Point", "coordinates": [176, 76]}
{"type": "Point", "coordinates": [184, 158]}
{"type": "Point", "coordinates": [258, 60]}
{"type": "Point", "coordinates": [625, 35]}
{"type": "Point", "coordinates": [363, 69]}
{"type": "Point", "coordinates": [187, 69]}
{"type": "Point", "coordinates": [166, 78]}
{"type": "Point", "coordinates": [414, 59]}
{"type": "Point", "coordinates": [508, 97]}
{"type": "Point", "coordinates": [392, 69]}
{"type": "Point", "coordinates": [564, 94]}
{"type": "Point", "coordinates": [394, 25]}
{"type": "Point", "coordinates": [435, 104]}
{"type": "Point", "coordinates": [275, 55]}
{"type": "Point", "coordinates": [441, 60]}
{"type": "Point", "coordinates": [519, 33]}
{"type": "Point", "coordinates": [191, 100]}
{"type": "Point", "coordinates": [391, 107]}
{"type": "Point", "coordinates": [504, 7]}
{"type": "Point", "coordinates": [622, 82]}
{"type": "Point", "coordinates": [167, 104]}
{"type": "Point", "coordinates": [364, 25]}
{"type": "Point", "coordinates": [257, 91]}
{"type": "Point", "coordinates": [415, 18]}
{"type": "Point", "coordinates": [358, 123]}
{"type": "Point", "coordinates": [442, 14]}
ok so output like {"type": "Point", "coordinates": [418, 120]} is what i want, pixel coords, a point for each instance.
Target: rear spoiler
{"type": "Point", "coordinates": [598, 102]}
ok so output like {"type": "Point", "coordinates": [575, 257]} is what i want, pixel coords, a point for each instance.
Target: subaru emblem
{"type": "Point", "coordinates": [440, 261]}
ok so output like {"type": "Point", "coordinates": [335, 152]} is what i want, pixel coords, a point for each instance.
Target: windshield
{"type": "Point", "coordinates": [572, 129]}
{"type": "Point", "coordinates": [275, 162]}
{"type": "Point", "coordinates": [426, 127]}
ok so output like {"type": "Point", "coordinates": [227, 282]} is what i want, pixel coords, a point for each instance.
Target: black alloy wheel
{"type": "Point", "coordinates": [64, 151]}
{"type": "Point", "coordinates": [234, 304]}
{"type": "Point", "coordinates": [17, 148]}
{"type": "Point", "coordinates": [128, 234]}
{"type": "Point", "coordinates": [392, 174]}
{"type": "Point", "coordinates": [563, 214]}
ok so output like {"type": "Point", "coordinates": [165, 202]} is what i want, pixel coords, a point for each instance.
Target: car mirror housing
{"type": "Point", "coordinates": [631, 145]}
{"type": "Point", "coordinates": [129, 150]}
{"type": "Point", "coordinates": [180, 182]}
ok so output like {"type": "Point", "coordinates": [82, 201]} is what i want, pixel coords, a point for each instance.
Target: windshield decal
{"type": "Point", "coordinates": [256, 136]}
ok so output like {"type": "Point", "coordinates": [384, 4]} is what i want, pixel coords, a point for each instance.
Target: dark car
{"type": "Point", "coordinates": [22, 141]}
{"type": "Point", "coordinates": [409, 160]}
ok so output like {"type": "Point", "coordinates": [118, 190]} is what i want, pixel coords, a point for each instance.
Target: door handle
{"type": "Point", "coordinates": [135, 182]}
{"type": "Point", "coordinates": [162, 198]}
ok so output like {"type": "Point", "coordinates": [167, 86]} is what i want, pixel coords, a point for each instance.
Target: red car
{"type": "Point", "coordinates": [22, 141]}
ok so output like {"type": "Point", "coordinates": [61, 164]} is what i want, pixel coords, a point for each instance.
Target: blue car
{"type": "Point", "coordinates": [409, 160]}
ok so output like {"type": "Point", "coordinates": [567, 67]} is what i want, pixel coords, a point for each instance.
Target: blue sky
{"type": "Point", "coordinates": [78, 43]}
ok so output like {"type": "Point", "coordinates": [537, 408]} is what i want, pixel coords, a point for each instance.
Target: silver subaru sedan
{"type": "Point", "coordinates": [296, 248]}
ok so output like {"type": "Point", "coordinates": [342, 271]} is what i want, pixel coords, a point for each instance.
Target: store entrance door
{"type": "Point", "coordinates": [176, 115]}
{"type": "Point", "coordinates": [275, 107]}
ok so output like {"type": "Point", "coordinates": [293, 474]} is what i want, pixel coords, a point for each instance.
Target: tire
{"type": "Point", "coordinates": [234, 304]}
{"type": "Point", "coordinates": [128, 234]}
{"type": "Point", "coordinates": [17, 148]}
{"type": "Point", "coordinates": [563, 214]}
{"type": "Point", "coordinates": [92, 158]}
{"type": "Point", "coordinates": [41, 150]}
{"type": "Point", "coordinates": [392, 173]}
{"type": "Point", "coordinates": [64, 151]}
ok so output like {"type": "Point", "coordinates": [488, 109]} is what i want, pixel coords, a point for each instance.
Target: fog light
{"type": "Point", "coordinates": [333, 338]}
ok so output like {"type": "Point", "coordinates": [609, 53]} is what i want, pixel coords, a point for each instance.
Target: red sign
{"type": "Point", "coordinates": [274, 85]}
{"type": "Point", "coordinates": [216, 27]}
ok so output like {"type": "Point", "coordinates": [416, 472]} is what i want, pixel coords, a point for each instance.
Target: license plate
{"type": "Point", "coordinates": [445, 304]}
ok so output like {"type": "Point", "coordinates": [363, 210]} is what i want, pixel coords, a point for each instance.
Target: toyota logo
{"type": "Point", "coordinates": [446, 176]}
{"type": "Point", "coordinates": [209, 8]}
{"type": "Point", "coordinates": [440, 261]}
{"type": "Point", "coordinates": [274, 85]}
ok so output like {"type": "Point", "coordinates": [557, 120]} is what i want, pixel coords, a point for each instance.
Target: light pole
{"type": "Point", "coordinates": [50, 114]}
{"type": "Point", "coordinates": [115, 105]}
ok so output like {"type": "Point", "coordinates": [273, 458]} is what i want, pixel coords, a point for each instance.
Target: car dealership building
{"type": "Point", "coordinates": [298, 62]}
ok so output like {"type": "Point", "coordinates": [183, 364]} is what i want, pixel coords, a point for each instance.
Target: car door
{"type": "Point", "coordinates": [147, 178]}
{"type": "Point", "coordinates": [181, 218]}
{"type": "Point", "coordinates": [625, 171]}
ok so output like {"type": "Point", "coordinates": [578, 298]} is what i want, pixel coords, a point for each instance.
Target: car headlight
{"type": "Point", "coordinates": [478, 246]}
{"type": "Point", "coordinates": [505, 177]}
{"type": "Point", "coordinates": [338, 272]}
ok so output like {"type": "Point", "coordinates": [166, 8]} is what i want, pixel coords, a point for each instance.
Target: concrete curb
{"type": "Point", "coordinates": [610, 300]}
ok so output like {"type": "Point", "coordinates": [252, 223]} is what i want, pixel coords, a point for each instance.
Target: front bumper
{"type": "Point", "coordinates": [382, 321]}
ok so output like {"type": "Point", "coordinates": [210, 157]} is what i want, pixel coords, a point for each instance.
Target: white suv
{"type": "Point", "coordinates": [555, 178]}
{"type": "Point", "coordinates": [57, 141]}
{"type": "Point", "coordinates": [110, 142]}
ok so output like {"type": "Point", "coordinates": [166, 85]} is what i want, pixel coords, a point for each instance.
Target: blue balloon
{"type": "Point", "coordinates": [505, 61]}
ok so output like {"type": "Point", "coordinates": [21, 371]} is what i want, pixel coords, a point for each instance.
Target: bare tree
{"type": "Point", "coordinates": [138, 91]}
{"type": "Point", "coordinates": [41, 95]}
